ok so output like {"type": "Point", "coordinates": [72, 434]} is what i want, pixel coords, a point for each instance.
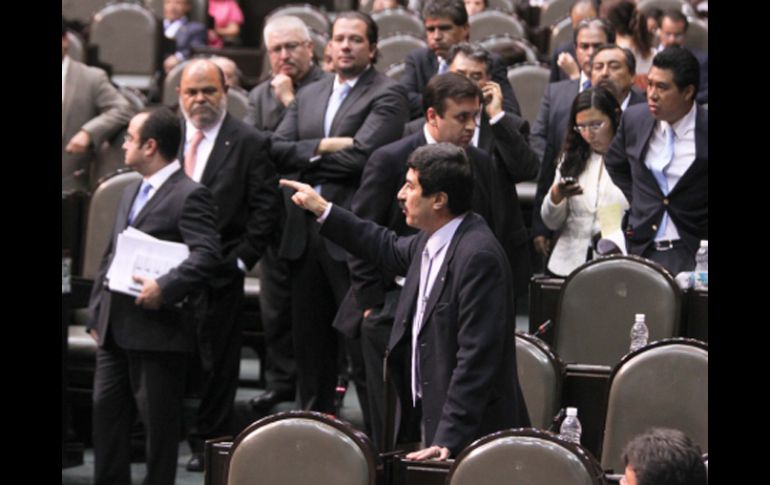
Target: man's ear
{"type": "Point", "coordinates": [150, 147]}
{"type": "Point", "coordinates": [440, 200]}
{"type": "Point", "coordinates": [431, 116]}
{"type": "Point", "coordinates": [689, 92]}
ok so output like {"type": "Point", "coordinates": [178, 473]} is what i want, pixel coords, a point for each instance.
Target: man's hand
{"type": "Point", "coordinates": [306, 197]}
{"type": "Point", "coordinates": [432, 452]}
{"type": "Point", "coordinates": [150, 297]}
{"type": "Point", "coordinates": [79, 143]}
{"type": "Point", "coordinates": [283, 87]}
{"type": "Point", "coordinates": [568, 65]}
{"type": "Point", "coordinates": [334, 144]}
{"type": "Point", "coordinates": [94, 335]}
{"type": "Point", "coordinates": [368, 312]}
{"type": "Point", "coordinates": [493, 98]}
{"type": "Point", "coordinates": [169, 63]}
{"type": "Point", "coordinates": [542, 245]}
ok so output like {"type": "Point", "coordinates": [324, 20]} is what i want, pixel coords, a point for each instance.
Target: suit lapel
{"type": "Point", "coordinates": [407, 303]}
{"type": "Point", "coordinates": [701, 151]}
{"type": "Point", "coordinates": [70, 85]}
{"type": "Point", "coordinates": [219, 153]}
{"type": "Point", "coordinates": [485, 133]}
{"type": "Point", "coordinates": [361, 87]}
{"type": "Point", "coordinates": [160, 195]}
{"type": "Point", "coordinates": [641, 149]}
{"type": "Point", "coordinates": [125, 206]}
{"type": "Point", "coordinates": [314, 111]}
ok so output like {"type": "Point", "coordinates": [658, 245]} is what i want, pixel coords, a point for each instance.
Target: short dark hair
{"type": "Point", "coordinates": [443, 167]}
{"type": "Point", "coordinates": [449, 85]}
{"type": "Point", "coordinates": [630, 59]}
{"type": "Point", "coordinates": [371, 26]}
{"type": "Point", "coordinates": [471, 51]}
{"type": "Point", "coordinates": [163, 126]}
{"type": "Point", "coordinates": [595, 23]}
{"type": "Point", "coordinates": [663, 456]}
{"type": "Point", "coordinates": [682, 63]}
{"type": "Point", "coordinates": [675, 16]}
{"type": "Point", "coordinates": [451, 9]}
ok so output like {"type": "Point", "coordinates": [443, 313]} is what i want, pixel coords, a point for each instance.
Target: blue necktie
{"type": "Point", "coordinates": [442, 66]}
{"type": "Point", "coordinates": [586, 84]}
{"type": "Point", "coordinates": [335, 101]}
{"type": "Point", "coordinates": [139, 201]}
{"type": "Point", "coordinates": [658, 168]}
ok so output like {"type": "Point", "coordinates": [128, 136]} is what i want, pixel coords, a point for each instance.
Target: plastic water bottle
{"type": "Point", "coordinates": [639, 332]}
{"type": "Point", "coordinates": [570, 428]}
{"type": "Point", "coordinates": [702, 267]}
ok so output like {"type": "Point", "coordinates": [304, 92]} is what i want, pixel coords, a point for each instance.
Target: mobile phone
{"type": "Point", "coordinates": [568, 181]}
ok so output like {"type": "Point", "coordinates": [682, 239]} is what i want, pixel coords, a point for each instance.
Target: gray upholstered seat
{"type": "Point", "coordinates": [512, 50]}
{"type": "Point", "coordinates": [77, 48]}
{"type": "Point", "coordinates": [554, 10]}
{"type": "Point", "coordinates": [528, 82]}
{"type": "Point", "coordinates": [492, 22]}
{"type": "Point", "coordinates": [524, 456]}
{"type": "Point", "coordinates": [394, 49]}
{"type": "Point", "coordinates": [299, 448]}
{"type": "Point", "coordinates": [561, 33]}
{"type": "Point", "coordinates": [128, 37]}
{"type": "Point", "coordinates": [597, 305]}
{"type": "Point", "coordinates": [395, 71]}
{"type": "Point", "coordinates": [541, 374]}
{"type": "Point", "coordinates": [504, 5]}
{"type": "Point", "coordinates": [81, 10]}
{"type": "Point", "coordinates": [237, 103]}
{"type": "Point", "coordinates": [662, 385]}
{"type": "Point", "coordinates": [697, 35]}
{"type": "Point", "coordinates": [313, 17]}
{"type": "Point", "coordinates": [398, 21]}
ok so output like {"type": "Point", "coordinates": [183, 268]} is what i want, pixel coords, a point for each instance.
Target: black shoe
{"type": "Point", "coordinates": [196, 463]}
{"type": "Point", "coordinates": [268, 399]}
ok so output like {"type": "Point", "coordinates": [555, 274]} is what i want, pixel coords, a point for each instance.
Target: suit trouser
{"type": "Point", "coordinates": [219, 344]}
{"type": "Point", "coordinates": [675, 260]}
{"type": "Point", "coordinates": [153, 384]}
{"type": "Point", "coordinates": [275, 312]}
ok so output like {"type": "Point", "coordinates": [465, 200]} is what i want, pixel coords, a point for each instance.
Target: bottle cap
{"type": "Point", "coordinates": [704, 243]}
{"type": "Point", "coordinates": [639, 317]}
{"type": "Point", "coordinates": [571, 411]}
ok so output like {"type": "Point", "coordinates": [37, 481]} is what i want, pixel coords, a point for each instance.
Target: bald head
{"type": "Point", "coordinates": [202, 93]}
{"type": "Point", "coordinates": [229, 68]}
{"type": "Point", "coordinates": [582, 9]}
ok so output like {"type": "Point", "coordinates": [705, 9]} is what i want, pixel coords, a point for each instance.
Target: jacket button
{"type": "Point", "coordinates": [654, 227]}
{"type": "Point", "coordinates": [665, 201]}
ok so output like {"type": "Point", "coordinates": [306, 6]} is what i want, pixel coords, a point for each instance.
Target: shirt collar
{"type": "Point", "coordinates": [208, 134]}
{"type": "Point", "coordinates": [686, 123]}
{"type": "Point", "coordinates": [349, 82]}
{"type": "Point", "coordinates": [159, 178]}
{"type": "Point", "coordinates": [442, 236]}
{"type": "Point", "coordinates": [428, 137]}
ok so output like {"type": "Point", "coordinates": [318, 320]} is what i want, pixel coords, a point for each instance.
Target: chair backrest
{"type": "Point", "coordinates": [494, 22]}
{"type": "Point", "coordinates": [541, 374]}
{"type": "Point", "coordinates": [395, 71]}
{"type": "Point", "coordinates": [77, 49]}
{"type": "Point", "coordinates": [527, 456]}
{"type": "Point", "coordinates": [511, 49]}
{"type": "Point", "coordinates": [554, 10]}
{"type": "Point", "coordinates": [313, 17]}
{"type": "Point", "coordinates": [561, 33]}
{"type": "Point", "coordinates": [237, 103]}
{"type": "Point", "coordinates": [128, 38]}
{"type": "Point", "coordinates": [597, 305]}
{"type": "Point", "coordinates": [529, 82]}
{"type": "Point", "coordinates": [398, 21]}
{"type": "Point", "coordinates": [301, 447]}
{"type": "Point", "coordinates": [664, 384]}
{"type": "Point", "coordinates": [504, 5]}
{"type": "Point", "coordinates": [394, 49]}
{"type": "Point", "coordinates": [102, 211]}
{"type": "Point", "coordinates": [697, 35]}
{"type": "Point", "coordinates": [81, 10]}
{"type": "Point", "coordinates": [168, 96]}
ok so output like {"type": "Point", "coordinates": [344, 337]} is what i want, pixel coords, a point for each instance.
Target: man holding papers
{"type": "Point", "coordinates": [144, 340]}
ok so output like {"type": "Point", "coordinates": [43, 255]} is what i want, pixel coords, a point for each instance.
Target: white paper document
{"type": "Point", "coordinates": [139, 254]}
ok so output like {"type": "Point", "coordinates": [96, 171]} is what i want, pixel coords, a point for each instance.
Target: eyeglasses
{"type": "Point", "coordinates": [289, 46]}
{"type": "Point", "coordinates": [593, 127]}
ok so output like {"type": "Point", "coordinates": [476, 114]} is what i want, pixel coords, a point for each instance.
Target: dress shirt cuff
{"type": "Point", "coordinates": [242, 266]}
{"type": "Point", "coordinates": [496, 118]}
{"type": "Point", "coordinates": [322, 218]}
{"type": "Point", "coordinates": [315, 158]}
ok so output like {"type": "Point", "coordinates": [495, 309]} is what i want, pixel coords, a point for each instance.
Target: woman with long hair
{"type": "Point", "coordinates": [582, 188]}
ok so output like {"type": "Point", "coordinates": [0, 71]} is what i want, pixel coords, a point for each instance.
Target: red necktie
{"type": "Point", "coordinates": [192, 151]}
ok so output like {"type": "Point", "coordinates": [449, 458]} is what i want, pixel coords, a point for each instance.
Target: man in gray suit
{"type": "Point", "coordinates": [325, 138]}
{"type": "Point", "coordinates": [145, 341]}
{"type": "Point", "coordinates": [92, 112]}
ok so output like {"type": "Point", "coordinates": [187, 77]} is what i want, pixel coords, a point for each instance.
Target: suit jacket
{"type": "Point", "coordinates": [265, 111]}
{"type": "Point", "coordinates": [467, 358]}
{"type": "Point", "coordinates": [242, 179]}
{"type": "Point", "coordinates": [373, 113]}
{"type": "Point", "coordinates": [548, 134]}
{"type": "Point", "coordinates": [93, 104]}
{"type": "Point", "coordinates": [180, 211]}
{"type": "Point", "coordinates": [686, 203]}
{"type": "Point", "coordinates": [422, 64]}
{"type": "Point", "coordinates": [190, 34]}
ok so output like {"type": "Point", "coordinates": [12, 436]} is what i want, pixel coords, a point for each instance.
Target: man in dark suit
{"type": "Point", "coordinates": [659, 159]}
{"type": "Point", "coordinates": [673, 28]}
{"type": "Point", "coordinates": [325, 138]}
{"type": "Point", "coordinates": [180, 33]}
{"type": "Point", "coordinates": [290, 50]}
{"type": "Point", "coordinates": [450, 354]}
{"type": "Point", "coordinates": [565, 53]}
{"type": "Point", "coordinates": [232, 160]}
{"type": "Point", "coordinates": [446, 24]}
{"type": "Point", "coordinates": [145, 340]}
{"type": "Point", "coordinates": [551, 123]}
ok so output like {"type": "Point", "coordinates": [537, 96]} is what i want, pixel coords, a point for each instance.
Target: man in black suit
{"type": "Point", "coordinates": [565, 53]}
{"type": "Point", "coordinates": [290, 50]}
{"type": "Point", "coordinates": [324, 139]}
{"type": "Point", "coordinates": [232, 160]}
{"type": "Point", "coordinates": [452, 106]}
{"type": "Point", "coordinates": [145, 340]}
{"type": "Point", "coordinates": [659, 159]}
{"type": "Point", "coordinates": [446, 24]}
{"type": "Point", "coordinates": [673, 28]}
{"type": "Point", "coordinates": [551, 123]}
{"type": "Point", "coordinates": [450, 354]}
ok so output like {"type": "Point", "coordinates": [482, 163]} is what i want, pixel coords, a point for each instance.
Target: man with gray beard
{"type": "Point", "coordinates": [231, 159]}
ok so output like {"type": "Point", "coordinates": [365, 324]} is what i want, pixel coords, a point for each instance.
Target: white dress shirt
{"type": "Point", "coordinates": [205, 146]}
{"type": "Point", "coordinates": [159, 178]}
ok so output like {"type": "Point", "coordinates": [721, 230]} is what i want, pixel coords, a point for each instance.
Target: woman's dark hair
{"type": "Point", "coordinates": [629, 20]}
{"type": "Point", "coordinates": [575, 150]}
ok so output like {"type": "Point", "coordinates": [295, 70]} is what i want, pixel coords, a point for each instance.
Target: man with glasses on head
{"type": "Point", "coordinates": [551, 123]}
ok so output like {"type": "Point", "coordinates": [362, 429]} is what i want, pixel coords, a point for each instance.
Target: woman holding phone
{"type": "Point", "coordinates": [582, 188]}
